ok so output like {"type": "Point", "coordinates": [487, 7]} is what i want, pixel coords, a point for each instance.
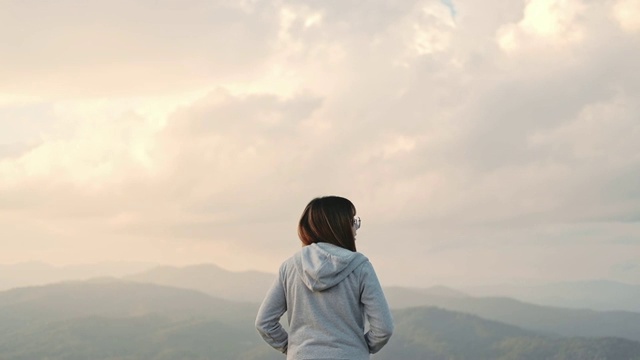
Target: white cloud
{"type": "Point", "coordinates": [445, 143]}
{"type": "Point", "coordinates": [606, 131]}
{"type": "Point", "coordinates": [72, 49]}
{"type": "Point", "coordinates": [97, 151]}
{"type": "Point", "coordinates": [627, 14]}
{"type": "Point", "coordinates": [433, 31]}
{"type": "Point", "coordinates": [544, 23]}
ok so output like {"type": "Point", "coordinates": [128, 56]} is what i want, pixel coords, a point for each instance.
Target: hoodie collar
{"type": "Point", "coordinates": [323, 265]}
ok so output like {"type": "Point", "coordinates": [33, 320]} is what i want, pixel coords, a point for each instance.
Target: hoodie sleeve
{"type": "Point", "coordinates": [268, 319]}
{"type": "Point", "coordinates": [376, 310]}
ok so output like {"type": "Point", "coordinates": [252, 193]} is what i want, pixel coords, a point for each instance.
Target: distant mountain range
{"type": "Point", "coordinates": [210, 279]}
{"type": "Point", "coordinates": [251, 287]}
{"type": "Point", "coordinates": [113, 298]}
{"type": "Point", "coordinates": [116, 319]}
{"type": "Point", "coordinates": [38, 273]}
{"type": "Point", "coordinates": [595, 294]}
{"type": "Point", "coordinates": [602, 295]}
{"type": "Point", "coordinates": [547, 319]}
{"type": "Point", "coordinates": [437, 334]}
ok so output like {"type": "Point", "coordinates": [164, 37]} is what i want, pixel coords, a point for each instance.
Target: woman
{"type": "Point", "coordinates": [327, 290]}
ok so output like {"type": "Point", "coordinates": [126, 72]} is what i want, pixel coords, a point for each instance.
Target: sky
{"type": "Point", "coordinates": [481, 142]}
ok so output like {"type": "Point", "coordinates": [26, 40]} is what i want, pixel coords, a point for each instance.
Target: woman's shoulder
{"type": "Point", "coordinates": [289, 263]}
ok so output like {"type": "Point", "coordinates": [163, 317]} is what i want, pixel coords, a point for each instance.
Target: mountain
{"type": "Point", "coordinates": [442, 291]}
{"type": "Point", "coordinates": [244, 286]}
{"type": "Point", "coordinates": [602, 295]}
{"type": "Point", "coordinates": [438, 334]}
{"type": "Point", "coordinates": [138, 337]}
{"type": "Point", "coordinates": [38, 273]}
{"type": "Point", "coordinates": [112, 298]}
{"type": "Point", "coordinates": [251, 287]}
{"type": "Point", "coordinates": [562, 321]}
{"type": "Point", "coordinates": [401, 297]}
{"type": "Point", "coordinates": [210, 279]}
{"type": "Point", "coordinates": [107, 319]}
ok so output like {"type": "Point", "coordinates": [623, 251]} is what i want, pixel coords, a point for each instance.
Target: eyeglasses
{"type": "Point", "coordinates": [356, 222]}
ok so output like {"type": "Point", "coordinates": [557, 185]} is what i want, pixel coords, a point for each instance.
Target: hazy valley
{"type": "Point", "coordinates": [205, 312]}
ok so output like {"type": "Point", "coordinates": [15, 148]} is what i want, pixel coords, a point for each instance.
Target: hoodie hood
{"type": "Point", "coordinates": [323, 265]}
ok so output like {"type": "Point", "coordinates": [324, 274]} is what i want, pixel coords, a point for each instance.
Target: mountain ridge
{"type": "Point", "coordinates": [105, 319]}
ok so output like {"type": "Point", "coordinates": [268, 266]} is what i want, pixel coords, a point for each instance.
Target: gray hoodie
{"type": "Point", "coordinates": [327, 292]}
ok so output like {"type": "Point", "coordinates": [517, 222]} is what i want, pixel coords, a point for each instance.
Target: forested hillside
{"type": "Point", "coordinates": [116, 320]}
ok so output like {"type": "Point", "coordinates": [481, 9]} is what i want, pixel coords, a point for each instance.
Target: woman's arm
{"type": "Point", "coordinates": [268, 319]}
{"type": "Point", "coordinates": [376, 310]}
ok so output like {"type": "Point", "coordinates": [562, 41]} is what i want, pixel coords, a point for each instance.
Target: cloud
{"type": "Point", "coordinates": [545, 23]}
{"type": "Point", "coordinates": [448, 137]}
{"type": "Point", "coordinates": [74, 48]}
{"type": "Point", "coordinates": [627, 14]}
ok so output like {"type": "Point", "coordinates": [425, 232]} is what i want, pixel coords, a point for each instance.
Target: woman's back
{"type": "Point", "coordinates": [328, 289]}
{"type": "Point", "coordinates": [327, 292]}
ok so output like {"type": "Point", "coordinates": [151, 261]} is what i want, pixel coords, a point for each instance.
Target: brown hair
{"type": "Point", "coordinates": [328, 219]}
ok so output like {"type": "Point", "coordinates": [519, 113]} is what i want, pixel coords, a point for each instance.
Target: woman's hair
{"type": "Point", "coordinates": [328, 219]}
